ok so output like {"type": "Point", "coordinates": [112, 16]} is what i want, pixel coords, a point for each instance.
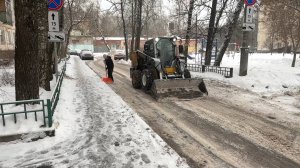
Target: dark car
{"type": "Point", "coordinates": [86, 55]}
{"type": "Point", "coordinates": [74, 52]}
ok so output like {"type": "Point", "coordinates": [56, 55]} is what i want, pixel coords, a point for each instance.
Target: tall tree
{"type": "Point", "coordinates": [188, 31]}
{"type": "Point", "coordinates": [139, 24]}
{"type": "Point", "coordinates": [133, 23]}
{"type": "Point", "coordinates": [232, 22]}
{"type": "Point", "coordinates": [211, 30]}
{"type": "Point", "coordinates": [45, 59]}
{"type": "Point", "coordinates": [285, 22]}
{"type": "Point", "coordinates": [26, 50]}
{"type": "Point", "coordinates": [75, 14]}
{"type": "Point", "coordinates": [124, 27]}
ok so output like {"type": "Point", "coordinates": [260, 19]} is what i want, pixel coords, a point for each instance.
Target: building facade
{"type": "Point", "coordinates": [7, 31]}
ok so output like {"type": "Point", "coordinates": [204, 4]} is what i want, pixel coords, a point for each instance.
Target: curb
{"type": "Point", "coordinates": [32, 136]}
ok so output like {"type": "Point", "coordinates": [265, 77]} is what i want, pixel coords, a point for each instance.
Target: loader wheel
{"type": "Point", "coordinates": [147, 80]}
{"type": "Point", "coordinates": [186, 73]}
{"type": "Point", "coordinates": [136, 79]}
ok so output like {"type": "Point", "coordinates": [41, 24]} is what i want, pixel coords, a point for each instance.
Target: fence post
{"type": "Point", "coordinates": [49, 105]}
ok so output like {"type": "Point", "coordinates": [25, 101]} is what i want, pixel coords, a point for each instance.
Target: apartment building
{"type": "Point", "coordinates": [7, 31]}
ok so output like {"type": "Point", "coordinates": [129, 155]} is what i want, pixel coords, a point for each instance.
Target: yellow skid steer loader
{"type": "Point", "coordinates": [159, 71]}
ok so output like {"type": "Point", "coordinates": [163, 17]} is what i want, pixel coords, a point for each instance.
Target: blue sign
{"type": "Point", "coordinates": [55, 4]}
{"type": "Point", "coordinates": [250, 2]}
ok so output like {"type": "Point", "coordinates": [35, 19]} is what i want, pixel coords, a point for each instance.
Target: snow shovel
{"type": "Point", "coordinates": [107, 79]}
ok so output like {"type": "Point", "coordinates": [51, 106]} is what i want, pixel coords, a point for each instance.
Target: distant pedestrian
{"type": "Point", "coordinates": [109, 67]}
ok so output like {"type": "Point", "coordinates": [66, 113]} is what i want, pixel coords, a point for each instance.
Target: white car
{"type": "Point", "coordinates": [86, 55]}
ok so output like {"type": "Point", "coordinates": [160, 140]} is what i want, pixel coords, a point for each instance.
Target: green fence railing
{"type": "Point", "coordinates": [46, 107]}
{"type": "Point", "coordinates": [52, 103]}
{"type": "Point", "coordinates": [25, 111]}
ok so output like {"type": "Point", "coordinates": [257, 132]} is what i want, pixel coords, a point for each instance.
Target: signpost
{"type": "Point", "coordinates": [248, 25]}
{"type": "Point", "coordinates": [250, 2]}
{"type": "Point", "coordinates": [54, 34]}
{"type": "Point", "coordinates": [249, 15]}
{"type": "Point", "coordinates": [53, 21]}
{"type": "Point", "coordinates": [55, 4]}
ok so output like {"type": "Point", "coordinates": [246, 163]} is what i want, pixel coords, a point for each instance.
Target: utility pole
{"type": "Point", "coordinates": [247, 26]}
{"type": "Point", "coordinates": [244, 50]}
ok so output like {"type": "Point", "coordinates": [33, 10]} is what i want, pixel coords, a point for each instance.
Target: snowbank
{"type": "Point", "coordinates": [267, 74]}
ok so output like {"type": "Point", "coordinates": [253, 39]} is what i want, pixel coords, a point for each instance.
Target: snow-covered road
{"type": "Point", "coordinates": [94, 128]}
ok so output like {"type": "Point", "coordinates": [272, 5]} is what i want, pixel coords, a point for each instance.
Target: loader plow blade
{"type": "Point", "coordinates": [178, 88]}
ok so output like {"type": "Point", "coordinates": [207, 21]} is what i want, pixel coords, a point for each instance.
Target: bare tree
{"type": "Point", "coordinates": [124, 27]}
{"type": "Point", "coordinates": [139, 24]}
{"type": "Point", "coordinates": [75, 14]}
{"type": "Point", "coordinates": [188, 31]}
{"type": "Point", "coordinates": [285, 23]}
{"type": "Point", "coordinates": [232, 21]}
{"type": "Point", "coordinates": [211, 30]}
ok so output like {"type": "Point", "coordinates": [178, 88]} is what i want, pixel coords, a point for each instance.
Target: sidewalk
{"type": "Point", "coordinates": [94, 128]}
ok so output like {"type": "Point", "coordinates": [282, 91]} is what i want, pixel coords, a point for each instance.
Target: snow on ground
{"type": "Point", "coordinates": [94, 128]}
{"type": "Point", "coordinates": [267, 74]}
{"type": "Point", "coordinates": [99, 55]}
{"type": "Point", "coordinates": [7, 94]}
{"type": "Point", "coordinates": [128, 62]}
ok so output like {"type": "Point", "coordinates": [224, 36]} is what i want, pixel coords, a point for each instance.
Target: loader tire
{"type": "Point", "coordinates": [186, 73]}
{"type": "Point", "coordinates": [147, 80]}
{"type": "Point", "coordinates": [136, 79]}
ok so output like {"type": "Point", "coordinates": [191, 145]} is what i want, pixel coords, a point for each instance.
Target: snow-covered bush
{"type": "Point", "coordinates": [7, 77]}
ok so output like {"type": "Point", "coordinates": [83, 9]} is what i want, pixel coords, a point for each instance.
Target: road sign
{"type": "Point", "coordinates": [248, 26]}
{"type": "Point", "coordinates": [56, 36]}
{"type": "Point", "coordinates": [55, 4]}
{"type": "Point", "coordinates": [53, 21]}
{"type": "Point", "coordinates": [250, 2]}
{"type": "Point", "coordinates": [249, 15]}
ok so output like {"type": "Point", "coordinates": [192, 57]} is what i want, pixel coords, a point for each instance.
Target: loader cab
{"type": "Point", "coordinates": [149, 48]}
{"type": "Point", "coordinates": [165, 50]}
{"type": "Point", "coordinates": [160, 47]}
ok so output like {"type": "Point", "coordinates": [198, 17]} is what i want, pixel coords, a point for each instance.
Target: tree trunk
{"type": "Point", "coordinates": [188, 30]}
{"type": "Point", "coordinates": [124, 29]}
{"type": "Point", "coordinates": [133, 24]}
{"type": "Point", "coordinates": [50, 62]}
{"type": "Point", "coordinates": [294, 59]}
{"type": "Point", "coordinates": [232, 26]}
{"type": "Point", "coordinates": [139, 25]}
{"type": "Point", "coordinates": [42, 13]}
{"type": "Point", "coordinates": [26, 50]}
{"type": "Point", "coordinates": [211, 28]}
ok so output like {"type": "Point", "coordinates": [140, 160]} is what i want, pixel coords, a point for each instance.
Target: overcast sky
{"type": "Point", "coordinates": [106, 5]}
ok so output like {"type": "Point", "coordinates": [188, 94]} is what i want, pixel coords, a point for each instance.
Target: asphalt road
{"type": "Point", "coordinates": [210, 132]}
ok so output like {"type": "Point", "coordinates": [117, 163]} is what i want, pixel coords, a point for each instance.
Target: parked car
{"type": "Point", "coordinates": [74, 52]}
{"type": "Point", "coordinates": [86, 55]}
{"type": "Point", "coordinates": [118, 55]}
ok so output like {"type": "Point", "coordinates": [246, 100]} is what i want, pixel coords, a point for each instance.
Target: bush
{"type": "Point", "coordinates": [6, 77]}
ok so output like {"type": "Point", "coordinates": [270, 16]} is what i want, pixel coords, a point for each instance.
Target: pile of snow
{"type": "Point", "coordinates": [99, 55]}
{"type": "Point", "coordinates": [266, 73]}
{"type": "Point", "coordinates": [128, 62]}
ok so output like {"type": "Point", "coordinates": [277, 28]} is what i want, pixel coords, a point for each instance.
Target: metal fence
{"type": "Point", "coordinates": [45, 107]}
{"type": "Point", "coordinates": [226, 71]}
